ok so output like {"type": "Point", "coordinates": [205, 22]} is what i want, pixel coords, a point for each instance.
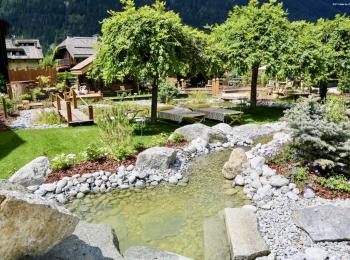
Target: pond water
{"type": "Point", "coordinates": [169, 218]}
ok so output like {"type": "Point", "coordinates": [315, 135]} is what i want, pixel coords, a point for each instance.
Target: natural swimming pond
{"type": "Point", "coordinates": [169, 218]}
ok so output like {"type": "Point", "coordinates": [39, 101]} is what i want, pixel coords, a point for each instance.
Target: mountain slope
{"type": "Point", "coordinates": [52, 20]}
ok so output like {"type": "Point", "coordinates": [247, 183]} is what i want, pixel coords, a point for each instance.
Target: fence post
{"type": "Point", "coordinates": [91, 113]}
{"type": "Point", "coordinates": [58, 101]}
{"type": "Point", "coordinates": [69, 112]}
{"type": "Point", "coordinates": [4, 105]}
{"type": "Point", "coordinates": [65, 97]}
{"type": "Point", "coordinates": [75, 101]}
{"type": "Point", "coordinates": [9, 91]}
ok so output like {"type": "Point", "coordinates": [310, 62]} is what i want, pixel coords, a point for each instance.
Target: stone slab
{"type": "Point", "coordinates": [324, 223]}
{"type": "Point", "coordinates": [216, 246]}
{"type": "Point", "coordinates": [243, 235]}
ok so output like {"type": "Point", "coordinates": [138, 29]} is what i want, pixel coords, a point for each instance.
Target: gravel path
{"type": "Point", "coordinates": [27, 119]}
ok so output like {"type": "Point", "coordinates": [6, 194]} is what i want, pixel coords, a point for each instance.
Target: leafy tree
{"type": "Point", "coordinates": [322, 51]}
{"type": "Point", "coordinates": [49, 59]}
{"type": "Point", "coordinates": [147, 44]}
{"type": "Point", "coordinates": [252, 36]}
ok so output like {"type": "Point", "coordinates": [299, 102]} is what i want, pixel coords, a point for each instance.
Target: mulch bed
{"type": "Point", "coordinates": [104, 164]}
{"type": "Point", "coordinates": [176, 145]}
{"type": "Point", "coordinates": [320, 191]}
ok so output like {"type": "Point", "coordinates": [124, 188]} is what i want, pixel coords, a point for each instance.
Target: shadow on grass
{"type": "Point", "coordinates": [9, 141]}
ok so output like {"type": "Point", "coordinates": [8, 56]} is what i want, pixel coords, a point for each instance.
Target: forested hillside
{"type": "Point", "coordinates": [52, 20]}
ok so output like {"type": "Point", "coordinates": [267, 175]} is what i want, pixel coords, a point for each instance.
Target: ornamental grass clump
{"type": "Point", "coordinates": [116, 132]}
{"type": "Point", "coordinates": [318, 139]}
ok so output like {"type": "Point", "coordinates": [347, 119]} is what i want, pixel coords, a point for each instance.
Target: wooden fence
{"type": "Point", "coordinates": [32, 74]}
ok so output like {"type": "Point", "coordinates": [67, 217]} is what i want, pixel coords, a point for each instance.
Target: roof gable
{"type": "Point", "coordinates": [29, 49]}
{"type": "Point", "coordinates": [79, 47]}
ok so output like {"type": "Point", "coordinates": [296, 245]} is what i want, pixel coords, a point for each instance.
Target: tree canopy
{"type": "Point", "coordinates": [254, 35]}
{"type": "Point", "coordinates": [146, 44]}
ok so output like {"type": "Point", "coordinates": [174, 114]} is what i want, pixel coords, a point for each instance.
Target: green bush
{"type": "Point", "coordinates": [176, 138]}
{"type": "Point", "coordinates": [335, 109]}
{"type": "Point", "coordinates": [93, 153]}
{"type": "Point", "coordinates": [49, 118]}
{"type": "Point", "coordinates": [337, 183]}
{"type": "Point", "coordinates": [167, 91]}
{"type": "Point", "coordinates": [26, 97]}
{"type": "Point", "coordinates": [317, 138]}
{"type": "Point", "coordinates": [11, 107]}
{"type": "Point", "coordinates": [116, 132]}
{"type": "Point", "coordinates": [38, 94]}
{"type": "Point", "coordinates": [63, 161]}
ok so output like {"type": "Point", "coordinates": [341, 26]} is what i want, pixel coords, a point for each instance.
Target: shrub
{"type": "Point", "coordinates": [60, 86]}
{"type": "Point", "coordinates": [315, 136]}
{"type": "Point", "coordinates": [116, 132]}
{"type": "Point", "coordinates": [176, 138]}
{"type": "Point", "coordinates": [167, 91]}
{"type": "Point", "coordinates": [49, 118]}
{"type": "Point", "coordinates": [43, 80]}
{"type": "Point", "coordinates": [62, 161]}
{"type": "Point", "coordinates": [26, 97]}
{"type": "Point", "coordinates": [11, 107]}
{"type": "Point", "coordinates": [337, 183]}
{"type": "Point", "coordinates": [199, 97]}
{"type": "Point", "coordinates": [299, 176]}
{"type": "Point", "coordinates": [93, 153]}
{"type": "Point", "coordinates": [38, 94]}
{"type": "Point", "coordinates": [335, 109]}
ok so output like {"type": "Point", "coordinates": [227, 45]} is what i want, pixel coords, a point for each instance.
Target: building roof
{"type": "Point", "coordinates": [83, 67]}
{"type": "Point", "coordinates": [78, 47]}
{"type": "Point", "coordinates": [24, 49]}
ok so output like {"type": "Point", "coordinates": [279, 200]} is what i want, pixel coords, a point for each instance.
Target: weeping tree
{"type": "Point", "coordinates": [146, 44]}
{"type": "Point", "coordinates": [254, 35]}
{"type": "Point", "coordinates": [323, 51]}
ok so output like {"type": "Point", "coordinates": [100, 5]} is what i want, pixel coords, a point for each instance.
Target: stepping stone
{"type": "Point", "coordinates": [324, 223]}
{"type": "Point", "coordinates": [243, 235]}
{"type": "Point", "coordinates": [216, 246]}
{"type": "Point", "coordinates": [147, 253]}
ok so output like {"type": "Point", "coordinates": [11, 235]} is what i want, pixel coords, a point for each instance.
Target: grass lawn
{"type": "Point", "coordinates": [19, 147]}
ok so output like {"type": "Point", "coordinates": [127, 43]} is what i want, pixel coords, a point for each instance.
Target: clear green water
{"type": "Point", "coordinates": [169, 218]}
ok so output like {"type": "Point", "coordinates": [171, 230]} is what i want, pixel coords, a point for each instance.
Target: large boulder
{"type": "Point", "coordinates": [33, 173]}
{"type": "Point", "coordinates": [243, 234]}
{"type": "Point", "coordinates": [224, 128]}
{"type": "Point", "coordinates": [324, 223]}
{"type": "Point", "coordinates": [159, 158]}
{"type": "Point", "coordinates": [31, 225]}
{"type": "Point", "coordinates": [194, 131]}
{"type": "Point", "coordinates": [234, 165]}
{"type": "Point", "coordinates": [146, 253]}
{"type": "Point", "coordinates": [89, 241]}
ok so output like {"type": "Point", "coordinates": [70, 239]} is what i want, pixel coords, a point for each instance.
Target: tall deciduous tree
{"type": "Point", "coordinates": [254, 35]}
{"type": "Point", "coordinates": [146, 43]}
{"type": "Point", "coordinates": [322, 51]}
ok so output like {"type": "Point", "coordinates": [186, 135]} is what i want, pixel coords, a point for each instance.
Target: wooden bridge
{"type": "Point", "coordinates": [69, 110]}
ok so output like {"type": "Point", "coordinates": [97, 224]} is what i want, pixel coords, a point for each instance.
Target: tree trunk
{"type": "Point", "coordinates": [154, 103]}
{"type": "Point", "coordinates": [253, 89]}
{"type": "Point", "coordinates": [323, 90]}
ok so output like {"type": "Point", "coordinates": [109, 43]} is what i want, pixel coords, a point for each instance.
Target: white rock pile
{"type": "Point", "coordinates": [275, 200]}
